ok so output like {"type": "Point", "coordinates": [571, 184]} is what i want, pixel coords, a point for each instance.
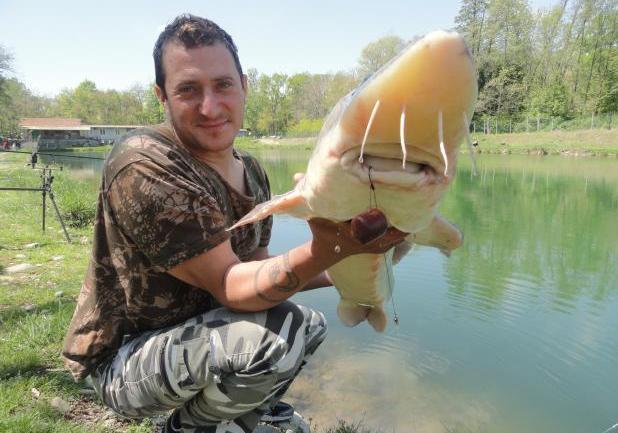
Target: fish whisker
{"type": "Point", "coordinates": [441, 139]}
{"type": "Point", "coordinates": [402, 126]}
{"type": "Point", "coordinates": [371, 117]}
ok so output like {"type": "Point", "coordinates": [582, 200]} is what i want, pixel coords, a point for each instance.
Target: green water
{"type": "Point", "coordinates": [516, 332]}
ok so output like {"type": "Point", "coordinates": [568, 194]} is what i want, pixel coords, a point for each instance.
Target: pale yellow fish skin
{"type": "Point", "coordinates": [431, 79]}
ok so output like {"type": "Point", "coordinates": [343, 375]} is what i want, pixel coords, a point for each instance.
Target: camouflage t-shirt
{"type": "Point", "coordinates": [158, 206]}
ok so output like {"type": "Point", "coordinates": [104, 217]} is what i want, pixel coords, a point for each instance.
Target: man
{"type": "Point", "coordinates": [176, 313]}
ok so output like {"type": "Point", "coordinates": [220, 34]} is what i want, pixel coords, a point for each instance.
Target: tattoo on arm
{"type": "Point", "coordinates": [290, 283]}
{"type": "Point", "coordinates": [291, 279]}
{"type": "Point", "coordinates": [256, 286]}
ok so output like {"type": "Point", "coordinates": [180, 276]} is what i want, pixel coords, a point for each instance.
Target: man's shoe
{"type": "Point", "coordinates": [279, 412]}
{"type": "Point", "coordinates": [284, 419]}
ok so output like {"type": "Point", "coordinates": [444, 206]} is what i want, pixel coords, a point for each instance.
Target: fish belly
{"type": "Point", "coordinates": [364, 282]}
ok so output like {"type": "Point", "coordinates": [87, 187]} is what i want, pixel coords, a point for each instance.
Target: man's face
{"type": "Point", "coordinates": [204, 95]}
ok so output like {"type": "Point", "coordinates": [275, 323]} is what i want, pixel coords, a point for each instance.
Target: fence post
{"type": "Point", "coordinates": [527, 124]}
{"type": "Point", "coordinates": [496, 131]}
{"type": "Point", "coordinates": [611, 117]}
{"type": "Point", "coordinates": [551, 128]}
{"type": "Point", "coordinates": [510, 126]}
{"type": "Point", "coordinates": [592, 121]}
{"type": "Point", "coordinates": [538, 123]}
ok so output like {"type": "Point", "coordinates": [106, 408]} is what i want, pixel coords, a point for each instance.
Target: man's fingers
{"type": "Point", "coordinates": [391, 238]}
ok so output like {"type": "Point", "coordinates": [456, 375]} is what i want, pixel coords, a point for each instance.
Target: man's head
{"type": "Point", "coordinates": [199, 80]}
{"type": "Point", "coordinates": [191, 31]}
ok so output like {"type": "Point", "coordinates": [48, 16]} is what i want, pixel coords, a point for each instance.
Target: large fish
{"type": "Point", "coordinates": [391, 144]}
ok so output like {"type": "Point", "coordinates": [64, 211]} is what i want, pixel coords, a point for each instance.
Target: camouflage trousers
{"type": "Point", "coordinates": [220, 370]}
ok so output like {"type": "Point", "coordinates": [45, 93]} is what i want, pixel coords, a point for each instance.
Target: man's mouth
{"type": "Point", "coordinates": [213, 124]}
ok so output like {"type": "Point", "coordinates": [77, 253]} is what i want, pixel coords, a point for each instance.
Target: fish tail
{"type": "Point", "coordinates": [377, 318]}
{"type": "Point", "coordinates": [350, 313]}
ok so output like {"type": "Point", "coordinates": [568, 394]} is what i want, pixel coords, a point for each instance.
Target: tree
{"type": "Point", "coordinates": [5, 67]}
{"type": "Point", "coordinates": [154, 113]}
{"type": "Point", "coordinates": [254, 103]}
{"type": "Point", "coordinates": [470, 22]}
{"type": "Point", "coordinates": [276, 116]}
{"type": "Point", "coordinates": [378, 53]}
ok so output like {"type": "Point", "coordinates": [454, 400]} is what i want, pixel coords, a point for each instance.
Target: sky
{"type": "Point", "coordinates": [57, 44]}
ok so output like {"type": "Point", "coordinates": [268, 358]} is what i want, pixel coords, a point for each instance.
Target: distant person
{"type": "Point", "coordinates": [5, 144]}
{"type": "Point", "coordinates": [176, 313]}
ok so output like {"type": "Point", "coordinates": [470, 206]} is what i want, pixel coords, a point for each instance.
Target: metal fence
{"type": "Point", "coordinates": [532, 123]}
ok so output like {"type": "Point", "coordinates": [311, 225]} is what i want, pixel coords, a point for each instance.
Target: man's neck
{"type": "Point", "coordinates": [223, 161]}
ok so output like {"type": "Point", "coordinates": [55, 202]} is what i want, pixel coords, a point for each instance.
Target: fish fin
{"type": "Point", "coordinates": [350, 313]}
{"type": "Point", "coordinates": [400, 250]}
{"type": "Point", "coordinates": [291, 202]}
{"type": "Point", "coordinates": [440, 234]}
{"type": "Point", "coordinates": [377, 318]}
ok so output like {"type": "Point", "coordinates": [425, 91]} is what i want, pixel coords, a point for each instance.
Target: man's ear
{"type": "Point", "coordinates": [245, 82]}
{"type": "Point", "coordinates": [161, 96]}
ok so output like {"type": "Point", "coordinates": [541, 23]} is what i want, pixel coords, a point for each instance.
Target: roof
{"type": "Point", "coordinates": [57, 128]}
{"type": "Point", "coordinates": [49, 122]}
{"type": "Point", "coordinates": [62, 124]}
{"type": "Point", "coordinates": [116, 126]}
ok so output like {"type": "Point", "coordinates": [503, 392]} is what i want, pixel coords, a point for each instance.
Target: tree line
{"type": "Point", "coordinates": [558, 62]}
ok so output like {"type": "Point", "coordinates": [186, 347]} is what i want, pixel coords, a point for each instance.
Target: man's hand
{"type": "Point", "coordinates": [337, 239]}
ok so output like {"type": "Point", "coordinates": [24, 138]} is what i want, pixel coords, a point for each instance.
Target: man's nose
{"type": "Point", "coordinates": [209, 105]}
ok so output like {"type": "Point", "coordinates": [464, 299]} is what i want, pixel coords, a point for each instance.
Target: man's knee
{"type": "Point", "coordinates": [248, 345]}
{"type": "Point", "coordinates": [296, 331]}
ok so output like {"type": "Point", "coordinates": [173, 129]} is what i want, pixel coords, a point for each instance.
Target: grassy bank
{"type": "Point", "coordinates": [590, 142]}
{"type": "Point", "coordinates": [40, 277]}
{"type": "Point", "coordinates": [587, 142]}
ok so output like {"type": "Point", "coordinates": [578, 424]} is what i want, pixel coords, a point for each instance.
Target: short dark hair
{"type": "Point", "coordinates": [191, 31]}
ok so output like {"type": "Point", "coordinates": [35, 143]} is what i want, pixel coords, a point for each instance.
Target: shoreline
{"type": "Point", "coordinates": [581, 143]}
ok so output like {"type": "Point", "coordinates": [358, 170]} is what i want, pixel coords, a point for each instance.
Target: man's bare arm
{"type": "Point", "coordinates": [259, 285]}
{"type": "Point", "coordinates": [320, 280]}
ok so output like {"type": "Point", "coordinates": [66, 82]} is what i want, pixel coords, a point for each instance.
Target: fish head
{"type": "Point", "coordinates": [396, 136]}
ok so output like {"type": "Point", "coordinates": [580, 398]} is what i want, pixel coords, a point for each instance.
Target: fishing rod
{"type": "Point", "coordinates": [46, 189]}
{"type": "Point", "coordinates": [53, 154]}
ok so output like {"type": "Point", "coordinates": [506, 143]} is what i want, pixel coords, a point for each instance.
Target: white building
{"type": "Point", "coordinates": [59, 132]}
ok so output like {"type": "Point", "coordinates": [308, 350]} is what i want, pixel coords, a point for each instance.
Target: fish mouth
{"type": "Point", "coordinates": [384, 164]}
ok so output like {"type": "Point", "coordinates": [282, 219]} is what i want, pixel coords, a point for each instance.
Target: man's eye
{"type": "Point", "coordinates": [225, 85]}
{"type": "Point", "coordinates": [186, 89]}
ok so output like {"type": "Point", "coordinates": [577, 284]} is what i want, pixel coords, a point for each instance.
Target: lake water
{"type": "Point", "coordinates": [516, 332]}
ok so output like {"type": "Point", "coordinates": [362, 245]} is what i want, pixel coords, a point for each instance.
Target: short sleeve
{"type": "Point", "coordinates": [169, 218]}
{"type": "Point", "coordinates": [267, 223]}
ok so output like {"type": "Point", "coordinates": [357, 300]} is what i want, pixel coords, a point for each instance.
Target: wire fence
{"type": "Point", "coordinates": [532, 123]}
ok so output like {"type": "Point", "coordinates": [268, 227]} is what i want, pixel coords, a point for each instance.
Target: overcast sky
{"type": "Point", "coordinates": [56, 44]}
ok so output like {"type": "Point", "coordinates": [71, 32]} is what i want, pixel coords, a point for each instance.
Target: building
{"type": "Point", "coordinates": [61, 133]}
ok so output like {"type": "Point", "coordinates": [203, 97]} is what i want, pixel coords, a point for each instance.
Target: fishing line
{"type": "Point", "coordinates": [373, 203]}
{"type": "Point", "coordinates": [373, 199]}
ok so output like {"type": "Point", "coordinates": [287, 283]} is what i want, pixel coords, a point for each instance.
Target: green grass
{"type": "Point", "coordinates": [593, 142]}
{"type": "Point", "coordinates": [589, 142]}
{"type": "Point", "coordinates": [36, 305]}
{"type": "Point", "coordinates": [103, 148]}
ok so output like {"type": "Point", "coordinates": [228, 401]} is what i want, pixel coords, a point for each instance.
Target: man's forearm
{"type": "Point", "coordinates": [258, 285]}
